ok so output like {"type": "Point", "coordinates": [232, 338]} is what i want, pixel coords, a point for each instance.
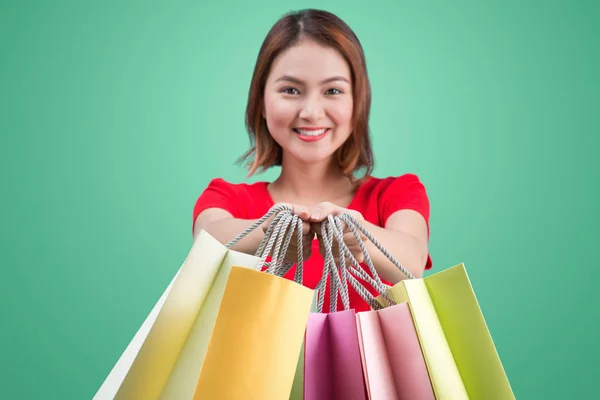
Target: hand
{"type": "Point", "coordinates": [320, 213]}
{"type": "Point", "coordinates": [307, 235]}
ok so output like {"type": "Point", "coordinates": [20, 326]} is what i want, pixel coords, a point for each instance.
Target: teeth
{"type": "Point", "coordinates": [311, 133]}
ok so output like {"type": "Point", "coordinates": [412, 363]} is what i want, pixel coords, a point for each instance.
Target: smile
{"type": "Point", "coordinates": [311, 135]}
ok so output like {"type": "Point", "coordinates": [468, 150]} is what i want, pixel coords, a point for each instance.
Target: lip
{"type": "Point", "coordinates": [311, 139]}
{"type": "Point", "coordinates": [311, 128]}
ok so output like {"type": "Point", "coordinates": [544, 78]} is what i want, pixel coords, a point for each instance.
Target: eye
{"type": "Point", "coordinates": [287, 90]}
{"type": "Point", "coordinates": [338, 91]}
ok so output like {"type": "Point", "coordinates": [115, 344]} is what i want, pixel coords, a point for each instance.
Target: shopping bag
{"type": "Point", "coordinates": [394, 366]}
{"type": "Point", "coordinates": [392, 360]}
{"type": "Point", "coordinates": [182, 381]}
{"type": "Point", "coordinates": [147, 364]}
{"type": "Point", "coordinates": [333, 366]}
{"type": "Point", "coordinates": [297, 392]}
{"type": "Point", "coordinates": [457, 347]}
{"type": "Point", "coordinates": [459, 351]}
{"type": "Point", "coordinates": [115, 378]}
{"type": "Point", "coordinates": [142, 373]}
{"type": "Point", "coordinates": [165, 356]}
{"type": "Point", "coordinates": [256, 341]}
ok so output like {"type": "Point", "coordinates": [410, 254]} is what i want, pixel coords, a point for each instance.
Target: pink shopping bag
{"type": "Point", "coordinates": [332, 364]}
{"type": "Point", "coordinates": [394, 365]}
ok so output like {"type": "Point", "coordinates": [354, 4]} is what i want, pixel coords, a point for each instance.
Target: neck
{"type": "Point", "coordinates": [321, 181]}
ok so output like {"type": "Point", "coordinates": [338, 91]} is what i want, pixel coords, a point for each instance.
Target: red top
{"type": "Point", "coordinates": [376, 199]}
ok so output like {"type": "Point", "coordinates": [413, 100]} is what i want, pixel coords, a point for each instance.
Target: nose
{"type": "Point", "coordinates": [312, 109]}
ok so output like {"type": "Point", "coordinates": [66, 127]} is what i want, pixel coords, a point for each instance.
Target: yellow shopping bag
{"type": "Point", "coordinates": [165, 358]}
{"type": "Point", "coordinates": [184, 376]}
{"type": "Point", "coordinates": [257, 338]}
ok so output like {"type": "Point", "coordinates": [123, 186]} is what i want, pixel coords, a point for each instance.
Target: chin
{"type": "Point", "coordinates": [314, 157]}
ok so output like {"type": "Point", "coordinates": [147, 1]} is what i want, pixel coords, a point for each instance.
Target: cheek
{"type": "Point", "coordinates": [279, 113]}
{"type": "Point", "coordinates": [342, 113]}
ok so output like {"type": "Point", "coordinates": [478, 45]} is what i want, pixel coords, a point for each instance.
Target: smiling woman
{"type": "Point", "coordinates": [308, 112]}
{"type": "Point", "coordinates": [296, 98]}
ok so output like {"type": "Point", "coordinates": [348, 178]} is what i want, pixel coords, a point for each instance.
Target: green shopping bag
{"type": "Point", "coordinates": [459, 351]}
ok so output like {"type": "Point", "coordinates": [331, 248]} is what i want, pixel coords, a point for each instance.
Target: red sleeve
{"type": "Point", "coordinates": [218, 194]}
{"type": "Point", "coordinates": [405, 192]}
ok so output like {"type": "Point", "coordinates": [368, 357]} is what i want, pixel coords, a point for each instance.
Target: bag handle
{"type": "Point", "coordinates": [278, 235]}
{"type": "Point", "coordinates": [338, 285]}
{"type": "Point", "coordinates": [334, 224]}
{"type": "Point", "coordinates": [331, 229]}
{"type": "Point", "coordinates": [356, 226]}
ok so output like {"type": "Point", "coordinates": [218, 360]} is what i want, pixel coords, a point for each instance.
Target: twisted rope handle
{"type": "Point", "coordinates": [278, 235]}
{"type": "Point", "coordinates": [338, 284]}
{"type": "Point", "coordinates": [356, 268]}
{"type": "Point", "coordinates": [353, 223]}
{"type": "Point", "coordinates": [270, 237]}
{"type": "Point", "coordinates": [334, 224]}
{"type": "Point", "coordinates": [274, 210]}
{"type": "Point", "coordinates": [282, 268]}
{"type": "Point", "coordinates": [355, 265]}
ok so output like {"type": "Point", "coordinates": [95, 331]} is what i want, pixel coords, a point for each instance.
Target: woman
{"type": "Point", "coordinates": [308, 112]}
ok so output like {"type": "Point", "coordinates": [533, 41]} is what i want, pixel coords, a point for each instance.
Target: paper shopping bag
{"type": "Point", "coordinates": [143, 374]}
{"type": "Point", "coordinates": [256, 341]}
{"type": "Point", "coordinates": [332, 364]}
{"type": "Point", "coordinates": [459, 351]}
{"type": "Point", "coordinates": [394, 366]}
{"type": "Point", "coordinates": [297, 392]}
{"type": "Point", "coordinates": [115, 378]}
{"type": "Point", "coordinates": [184, 376]}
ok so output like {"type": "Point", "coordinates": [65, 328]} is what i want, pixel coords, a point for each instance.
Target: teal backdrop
{"type": "Point", "coordinates": [116, 114]}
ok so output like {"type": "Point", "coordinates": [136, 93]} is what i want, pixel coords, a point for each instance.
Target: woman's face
{"type": "Point", "coordinates": [308, 101]}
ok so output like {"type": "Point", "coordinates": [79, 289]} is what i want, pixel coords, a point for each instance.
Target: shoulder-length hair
{"type": "Point", "coordinates": [329, 30]}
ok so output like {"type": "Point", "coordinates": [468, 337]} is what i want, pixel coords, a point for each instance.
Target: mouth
{"type": "Point", "coordinates": [311, 135]}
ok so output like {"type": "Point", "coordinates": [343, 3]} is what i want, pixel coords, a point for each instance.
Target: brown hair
{"type": "Point", "coordinates": [329, 30]}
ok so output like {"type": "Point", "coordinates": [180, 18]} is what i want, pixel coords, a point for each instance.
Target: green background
{"type": "Point", "coordinates": [115, 115]}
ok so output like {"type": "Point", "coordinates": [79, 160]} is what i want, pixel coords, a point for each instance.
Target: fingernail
{"type": "Point", "coordinates": [316, 215]}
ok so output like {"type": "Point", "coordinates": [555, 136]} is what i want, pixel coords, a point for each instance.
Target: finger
{"type": "Point", "coordinates": [358, 254]}
{"type": "Point", "coordinates": [345, 227]}
{"type": "Point", "coordinates": [321, 211]}
{"type": "Point", "coordinates": [309, 237]}
{"type": "Point", "coordinates": [316, 228]}
{"type": "Point", "coordinates": [301, 211]}
{"type": "Point", "coordinates": [350, 239]}
{"type": "Point", "coordinates": [305, 228]}
{"type": "Point", "coordinates": [265, 225]}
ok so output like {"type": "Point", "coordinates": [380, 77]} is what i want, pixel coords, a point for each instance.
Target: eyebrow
{"type": "Point", "coordinates": [300, 82]}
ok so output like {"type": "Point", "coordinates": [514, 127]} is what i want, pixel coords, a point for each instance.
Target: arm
{"type": "Point", "coordinates": [221, 225]}
{"type": "Point", "coordinates": [405, 236]}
